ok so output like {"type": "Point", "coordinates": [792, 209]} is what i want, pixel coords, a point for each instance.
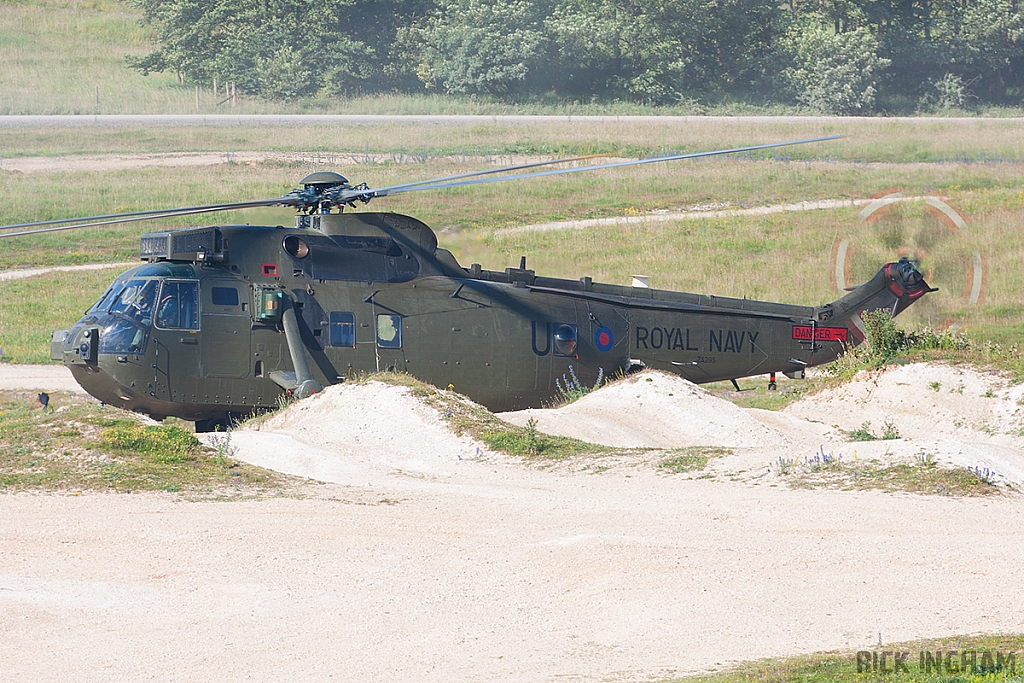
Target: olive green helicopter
{"type": "Point", "coordinates": [220, 322]}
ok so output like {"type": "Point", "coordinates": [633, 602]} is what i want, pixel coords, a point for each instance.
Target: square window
{"type": "Point", "coordinates": [343, 329]}
{"type": "Point", "coordinates": [389, 331]}
{"type": "Point", "coordinates": [224, 296]}
{"type": "Point", "coordinates": [177, 308]}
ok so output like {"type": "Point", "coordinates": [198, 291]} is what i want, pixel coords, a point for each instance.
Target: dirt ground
{"type": "Point", "coordinates": [420, 557]}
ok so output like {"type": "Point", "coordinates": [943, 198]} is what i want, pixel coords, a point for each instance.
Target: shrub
{"type": "Point", "coordinates": [887, 339]}
{"type": "Point", "coordinates": [833, 73]}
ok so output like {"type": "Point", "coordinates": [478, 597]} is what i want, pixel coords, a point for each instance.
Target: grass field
{"type": "Point", "coordinates": [777, 257]}
{"type": "Point", "coordinates": [880, 140]}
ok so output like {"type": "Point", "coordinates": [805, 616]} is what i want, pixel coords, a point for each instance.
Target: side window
{"type": "Point", "coordinates": [178, 307]}
{"type": "Point", "coordinates": [389, 331]}
{"type": "Point", "coordinates": [224, 296]}
{"type": "Point", "coordinates": [565, 340]}
{"type": "Point", "coordinates": [343, 329]}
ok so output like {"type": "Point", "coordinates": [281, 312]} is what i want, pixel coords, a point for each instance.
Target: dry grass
{"type": "Point", "coordinates": [991, 141]}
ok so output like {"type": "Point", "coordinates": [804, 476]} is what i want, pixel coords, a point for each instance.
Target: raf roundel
{"type": "Point", "coordinates": [603, 339]}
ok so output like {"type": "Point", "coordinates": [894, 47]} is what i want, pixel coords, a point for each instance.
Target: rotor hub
{"type": "Point", "coordinates": [322, 180]}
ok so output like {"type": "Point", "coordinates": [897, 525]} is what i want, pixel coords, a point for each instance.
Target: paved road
{"type": "Point", "coordinates": [116, 120]}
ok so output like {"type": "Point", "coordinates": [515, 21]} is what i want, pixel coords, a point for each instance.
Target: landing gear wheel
{"type": "Point", "coordinates": [772, 386]}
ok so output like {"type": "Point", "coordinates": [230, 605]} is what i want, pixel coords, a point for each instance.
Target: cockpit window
{"type": "Point", "coordinates": [108, 296]}
{"type": "Point", "coordinates": [165, 270]}
{"type": "Point", "coordinates": [137, 300]}
{"type": "Point", "coordinates": [123, 336]}
{"type": "Point", "coordinates": [178, 307]}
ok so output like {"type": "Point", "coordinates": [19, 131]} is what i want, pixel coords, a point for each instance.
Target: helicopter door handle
{"type": "Point", "coordinates": [189, 340]}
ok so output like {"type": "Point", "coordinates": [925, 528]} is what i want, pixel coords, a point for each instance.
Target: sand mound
{"type": "Point", "coordinates": [921, 400]}
{"type": "Point", "coordinates": [374, 426]}
{"type": "Point", "coordinates": [959, 415]}
{"type": "Point", "coordinates": [651, 410]}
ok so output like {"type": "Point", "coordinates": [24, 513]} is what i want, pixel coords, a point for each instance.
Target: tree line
{"type": "Point", "coordinates": [831, 56]}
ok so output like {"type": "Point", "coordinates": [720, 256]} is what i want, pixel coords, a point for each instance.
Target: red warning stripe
{"type": "Point", "coordinates": [805, 332]}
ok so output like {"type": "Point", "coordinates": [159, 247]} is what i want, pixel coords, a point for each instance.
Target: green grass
{"type": "Point", "coordinates": [754, 393]}
{"type": "Point", "coordinates": [77, 444]}
{"type": "Point", "coordinates": [692, 458]}
{"type": "Point", "coordinates": [841, 666]}
{"type": "Point", "coordinates": [992, 141]}
{"type": "Point", "coordinates": [782, 257]}
{"type": "Point", "coordinates": [31, 309]}
{"type": "Point", "coordinates": [55, 54]}
{"type": "Point", "coordinates": [864, 433]}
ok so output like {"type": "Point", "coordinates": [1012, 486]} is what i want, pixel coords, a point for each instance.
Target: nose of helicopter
{"type": "Point", "coordinates": [78, 348]}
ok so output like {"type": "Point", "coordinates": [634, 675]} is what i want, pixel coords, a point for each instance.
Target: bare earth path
{"type": "Point", "coordinates": [550, 577]}
{"type": "Point", "coordinates": [432, 563]}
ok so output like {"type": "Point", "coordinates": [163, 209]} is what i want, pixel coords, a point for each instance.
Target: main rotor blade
{"type": "Point", "coordinates": [287, 200]}
{"type": "Point", "coordinates": [310, 197]}
{"type": "Point", "coordinates": [114, 222]}
{"type": "Point", "coordinates": [357, 195]}
{"type": "Point", "coordinates": [505, 169]}
{"type": "Point", "coordinates": [131, 217]}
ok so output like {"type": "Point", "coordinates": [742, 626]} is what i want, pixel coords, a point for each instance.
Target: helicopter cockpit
{"type": "Point", "coordinates": [162, 295]}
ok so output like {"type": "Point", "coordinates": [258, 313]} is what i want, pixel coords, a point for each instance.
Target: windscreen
{"type": "Point", "coordinates": [137, 300]}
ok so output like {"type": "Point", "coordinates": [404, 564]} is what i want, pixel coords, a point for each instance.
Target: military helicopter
{"type": "Point", "coordinates": [219, 322]}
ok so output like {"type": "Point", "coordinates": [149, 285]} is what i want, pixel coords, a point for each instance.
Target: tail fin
{"type": "Point", "coordinates": [893, 288]}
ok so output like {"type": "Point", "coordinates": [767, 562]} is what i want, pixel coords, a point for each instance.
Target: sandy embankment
{"type": "Point", "coordinates": [428, 561]}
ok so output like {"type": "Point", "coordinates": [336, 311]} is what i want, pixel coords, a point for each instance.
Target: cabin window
{"type": "Point", "coordinates": [224, 296]}
{"type": "Point", "coordinates": [389, 331]}
{"type": "Point", "coordinates": [343, 329]}
{"type": "Point", "coordinates": [179, 307]}
{"type": "Point", "coordinates": [565, 340]}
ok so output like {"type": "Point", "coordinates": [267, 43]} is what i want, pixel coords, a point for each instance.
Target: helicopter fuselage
{"type": "Point", "coordinates": [222, 321]}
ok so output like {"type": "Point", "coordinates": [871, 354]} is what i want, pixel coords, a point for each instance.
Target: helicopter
{"type": "Point", "coordinates": [221, 321]}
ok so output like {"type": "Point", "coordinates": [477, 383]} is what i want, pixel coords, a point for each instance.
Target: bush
{"type": "Point", "coordinates": [832, 73]}
{"type": "Point", "coordinates": [569, 389]}
{"type": "Point", "coordinates": [950, 92]}
{"type": "Point", "coordinates": [887, 339]}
